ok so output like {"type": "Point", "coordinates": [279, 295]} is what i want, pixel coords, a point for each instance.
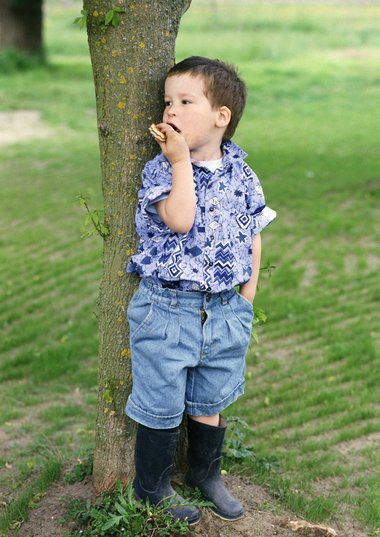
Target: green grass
{"type": "Point", "coordinates": [311, 131]}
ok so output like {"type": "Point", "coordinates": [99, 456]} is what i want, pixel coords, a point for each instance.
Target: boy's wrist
{"type": "Point", "coordinates": [181, 161]}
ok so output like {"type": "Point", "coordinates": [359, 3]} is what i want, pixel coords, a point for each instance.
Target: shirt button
{"type": "Point", "coordinates": [210, 263]}
{"type": "Point", "coordinates": [208, 296]}
{"type": "Point", "coordinates": [212, 237]}
{"type": "Point", "coordinates": [211, 209]}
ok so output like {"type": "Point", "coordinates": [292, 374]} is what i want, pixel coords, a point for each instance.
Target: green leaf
{"type": "Point", "coordinates": [95, 217]}
{"type": "Point", "coordinates": [120, 509]}
{"type": "Point", "coordinates": [115, 20]}
{"type": "Point", "coordinates": [107, 397]}
{"type": "Point", "coordinates": [109, 17]}
{"type": "Point", "coordinates": [255, 337]}
{"type": "Point", "coordinates": [260, 314]}
{"type": "Point", "coordinates": [82, 201]}
{"type": "Point", "coordinates": [82, 21]}
{"type": "Point", "coordinates": [104, 230]}
{"type": "Point", "coordinates": [112, 522]}
{"type": "Point", "coordinates": [130, 493]}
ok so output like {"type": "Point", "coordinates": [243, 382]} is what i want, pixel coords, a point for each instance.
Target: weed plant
{"type": "Point", "coordinates": [120, 514]}
{"type": "Point", "coordinates": [82, 469]}
{"type": "Point", "coordinates": [238, 451]}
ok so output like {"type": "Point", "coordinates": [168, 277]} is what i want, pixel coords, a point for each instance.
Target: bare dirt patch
{"type": "Point", "coordinates": [46, 520]}
{"type": "Point", "coordinates": [357, 444]}
{"type": "Point", "coordinates": [21, 126]}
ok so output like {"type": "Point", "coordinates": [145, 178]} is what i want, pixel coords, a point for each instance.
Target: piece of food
{"type": "Point", "coordinates": [157, 133]}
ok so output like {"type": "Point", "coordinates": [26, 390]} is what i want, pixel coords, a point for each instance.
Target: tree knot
{"type": "Point", "coordinates": [103, 127]}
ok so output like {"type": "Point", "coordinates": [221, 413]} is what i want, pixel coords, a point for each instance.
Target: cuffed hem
{"type": "Point", "coordinates": [209, 409]}
{"type": "Point", "coordinates": [152, 420]}
{"type": "Point", "coordinates": [263, 219]}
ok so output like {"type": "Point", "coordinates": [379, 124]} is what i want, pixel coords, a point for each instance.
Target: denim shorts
{"type": "Point", "coordinates": [188, 353]}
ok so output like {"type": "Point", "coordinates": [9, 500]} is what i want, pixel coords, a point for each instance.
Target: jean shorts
{"type": "Point", "coordinates": [188, 353]}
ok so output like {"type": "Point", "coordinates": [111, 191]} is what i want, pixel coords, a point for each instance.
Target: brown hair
{"type": "Point", "coordinates": [223, 86]}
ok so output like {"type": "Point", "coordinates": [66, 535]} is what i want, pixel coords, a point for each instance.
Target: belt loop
{"type": "Point", "coordinates": [224, 298]}
{"type": "Point", "coordinates": [173, 301]}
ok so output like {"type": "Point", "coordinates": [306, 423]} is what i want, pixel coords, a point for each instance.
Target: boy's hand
{"type": "Point", "coordinates": [175, 147]}
{"type": "Point", "coordinates": [248, 294]}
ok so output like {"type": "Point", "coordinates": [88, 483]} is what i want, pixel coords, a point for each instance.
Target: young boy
{"type": "Point", "coordinates": [200, 213]}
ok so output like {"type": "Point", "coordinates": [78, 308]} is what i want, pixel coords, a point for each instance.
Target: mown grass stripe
{"type": "Point", "coordinates": [50, 328]}
{"type": "Point", "coordinates": [70, 281]}
{"type": "Point", "coordinates": [66, 308]}
{"type": "Point", "coordinates": [317, 330]}
{"type": "Point", "coordinates": [48, 290]}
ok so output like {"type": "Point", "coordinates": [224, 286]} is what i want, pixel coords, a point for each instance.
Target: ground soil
{"type": "Point", "coordinates": [264, 517]}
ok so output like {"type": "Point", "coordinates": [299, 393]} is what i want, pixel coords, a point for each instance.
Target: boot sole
{"type": "Point", "coordinates": [225, 517]}
{"type": "Point", "coordinates": [191, 524]}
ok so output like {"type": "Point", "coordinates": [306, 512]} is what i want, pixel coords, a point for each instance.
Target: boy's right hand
{"type": "Point", "coordinates": [175, 147]}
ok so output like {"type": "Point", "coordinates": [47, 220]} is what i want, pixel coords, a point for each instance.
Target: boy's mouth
{"type": "Point", "coordinates": [174, 127]}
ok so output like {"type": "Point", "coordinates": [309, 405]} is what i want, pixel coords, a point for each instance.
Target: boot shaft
{"type": "Point", "coordinates": [154, 456]}
{"type": "Point", "coordinates": [205, 458]}
{"type": "Point", "coordinates": [205, 449]}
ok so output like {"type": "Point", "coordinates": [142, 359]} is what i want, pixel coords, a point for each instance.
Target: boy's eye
{"type": "Point", "coordinates": [186, 101]}
{"type": "Point", "coordinates": [167, 103]}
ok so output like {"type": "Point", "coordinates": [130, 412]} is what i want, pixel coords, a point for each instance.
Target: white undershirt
{"type": "Point", "coordinates": [211, 165]}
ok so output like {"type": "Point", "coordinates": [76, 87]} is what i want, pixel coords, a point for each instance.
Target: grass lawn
{"type": "Point", "coordinates": [311, 129]}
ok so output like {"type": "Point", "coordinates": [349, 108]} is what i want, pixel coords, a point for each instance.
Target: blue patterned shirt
{"type": "Point", "coordinates": [216, 254]}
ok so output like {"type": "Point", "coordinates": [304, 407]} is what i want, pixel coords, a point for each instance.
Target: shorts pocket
{"type": "Point", "coordinates": [140, 314]}
{"type": "Point", "coordinates": [245, 302]}
{"type": "Point", "coordinates": [242, 310]}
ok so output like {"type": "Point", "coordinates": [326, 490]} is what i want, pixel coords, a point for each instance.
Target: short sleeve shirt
{"type": "Point", "coordinates": [216, 254]}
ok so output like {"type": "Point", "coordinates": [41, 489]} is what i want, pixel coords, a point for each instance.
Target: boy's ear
{"type": "Point", "coordinates": [224, 116]}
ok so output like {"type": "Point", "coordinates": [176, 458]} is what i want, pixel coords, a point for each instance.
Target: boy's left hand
{"type": "Point", "coordinates": [248, 296]}
{"type": "Point", "coordinates": [248, 290]}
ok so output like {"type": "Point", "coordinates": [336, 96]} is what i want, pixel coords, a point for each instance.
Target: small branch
{"type": "Point", "coordinates": [100, 227]}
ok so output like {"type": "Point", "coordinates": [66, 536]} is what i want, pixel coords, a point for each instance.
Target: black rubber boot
{"type": "Point", "coordinates": [205, 459]}
{"type": "Point", "coordinates": [154, 457]}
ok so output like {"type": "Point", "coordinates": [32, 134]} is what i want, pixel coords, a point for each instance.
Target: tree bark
{"type": "Point", "coordinates": [129, 64]}
{"type": "Point", "coordinates": [21, 25]}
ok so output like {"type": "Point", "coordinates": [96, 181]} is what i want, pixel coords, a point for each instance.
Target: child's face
{"type": "Point", "coordinates": [188, 111]}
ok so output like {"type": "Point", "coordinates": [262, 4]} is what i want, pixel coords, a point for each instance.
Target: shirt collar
{"type": "Point", "coordinates": [232, 152]}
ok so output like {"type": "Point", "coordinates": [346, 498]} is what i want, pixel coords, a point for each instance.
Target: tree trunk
{"type": "Point", "coordinates": [21, 25]}
{"type": "Point", "coordinates": [129, 64]}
